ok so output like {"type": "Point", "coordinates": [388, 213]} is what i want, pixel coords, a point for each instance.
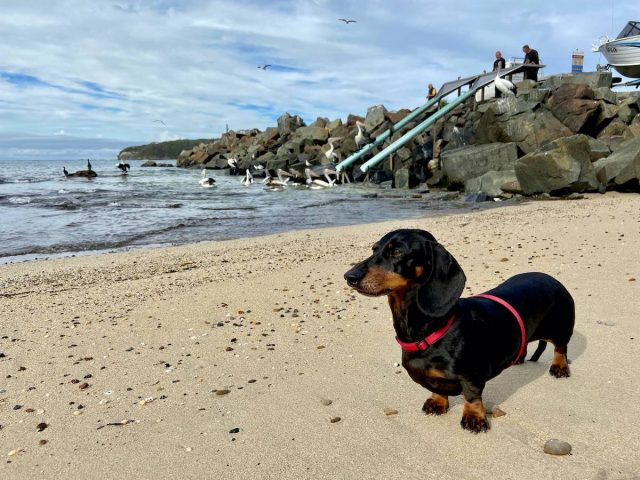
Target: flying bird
{"type": "Point", "coordinates": [347, 21]}
{"type": "Point", "coordinates": [160, 122]}
{"type": "Point", "coordinates": [265, 66]}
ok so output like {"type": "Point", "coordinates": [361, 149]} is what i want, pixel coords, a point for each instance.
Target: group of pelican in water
{"type": "Point", "coordinates": [312, 176]}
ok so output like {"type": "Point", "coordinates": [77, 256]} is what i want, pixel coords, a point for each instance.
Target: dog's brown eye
{"type": "Point", "coordinates": [396, 253]}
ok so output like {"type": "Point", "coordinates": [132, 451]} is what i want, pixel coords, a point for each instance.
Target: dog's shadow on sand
{"type": "Point", "coordinates": [512, 379]}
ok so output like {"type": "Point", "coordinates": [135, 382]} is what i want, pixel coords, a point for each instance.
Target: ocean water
{"type": "Point", "coordinates": [44, 215]}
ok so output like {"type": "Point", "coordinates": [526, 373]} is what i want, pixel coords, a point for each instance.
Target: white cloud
{"type": "Point", "coordinates": [111, 67]}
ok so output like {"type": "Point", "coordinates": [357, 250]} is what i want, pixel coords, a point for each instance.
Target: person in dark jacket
{"type": "Point", "coordinates": [531, 57]}
{"type": "Point", "coordinates": [497, 65]}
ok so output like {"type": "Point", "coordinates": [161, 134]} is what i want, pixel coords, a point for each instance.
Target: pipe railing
{"type": "Point", "coordinates": [416, 130]}
{"type": "Point", "coordinates": [386, 134]}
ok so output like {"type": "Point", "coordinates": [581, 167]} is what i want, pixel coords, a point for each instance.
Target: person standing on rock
{"type": "Point", "coordinates": [497, 65]}
{"type": "Point", "coordinates": [531, 57]}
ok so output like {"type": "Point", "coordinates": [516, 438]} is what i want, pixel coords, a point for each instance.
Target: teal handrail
{"type": "Point", "coordinates": [416, 130]}
{"type": "Point", "coordinates": [384, 135]}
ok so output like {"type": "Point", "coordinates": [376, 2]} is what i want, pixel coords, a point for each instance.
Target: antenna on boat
{"type": "Point", "coordinates": [613, 4]}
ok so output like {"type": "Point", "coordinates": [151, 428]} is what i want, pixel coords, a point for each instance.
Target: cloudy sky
{"type": "Point", "coordinates": [89, 77]}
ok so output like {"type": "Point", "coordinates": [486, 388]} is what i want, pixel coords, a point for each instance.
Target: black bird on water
{"type": "Point", "coordinates": [88, 164]}
{"type": "Point", "coordinates": [124, 166]}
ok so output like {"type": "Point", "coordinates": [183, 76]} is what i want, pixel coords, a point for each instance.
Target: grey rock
{"type": "Point", "coordinates": [598, 149]}
{"type": "Point", "coordinates": [376, 115]}
{"type": "Point", "coordinates": [620, 167]}
{"type": "Point", "coordinates": [561, 165]}
{"type": "Point", "coordinates": [606, 94]}
{"type": "Point", "coordinates": [593, 79]}
{"type": "Point", "coordinates": [288, 124]}
{"type": "Point", "coordinates": [490, 183]}
{"type": "Point", "coordinates": [465, 163]}
{"type": "Point", "coordinates": [557, 447]}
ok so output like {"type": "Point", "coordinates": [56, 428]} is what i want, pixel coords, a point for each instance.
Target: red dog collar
{"type": "Point", "coordinates": [429, 340]}
{"type": "Point", "coordinates": [514, 312]}
{"type": "Point", "coordinates": [435, 336]}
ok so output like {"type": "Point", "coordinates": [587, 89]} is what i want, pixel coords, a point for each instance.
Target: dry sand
{"type": "Point", "coordinates": [157, 334]}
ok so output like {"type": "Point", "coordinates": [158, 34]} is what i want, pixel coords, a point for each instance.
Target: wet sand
{"type": "Point", "coordinates": [231, 359]}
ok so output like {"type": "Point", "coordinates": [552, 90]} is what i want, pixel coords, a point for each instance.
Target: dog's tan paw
{"type": "Point", "coordinates": [474, 423]}
{"type": "Point", "coordinates": [435, 406]}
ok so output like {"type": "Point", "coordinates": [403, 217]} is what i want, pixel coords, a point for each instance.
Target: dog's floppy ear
{"type": "Point", "coordinates": [439, 289]}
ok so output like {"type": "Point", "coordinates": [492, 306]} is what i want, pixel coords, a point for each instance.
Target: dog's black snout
{"type": "Point", "coordinates": [353, 276]}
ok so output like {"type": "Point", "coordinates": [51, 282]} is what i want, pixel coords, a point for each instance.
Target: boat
{"type": "Point", "coordinates": [623, 52]}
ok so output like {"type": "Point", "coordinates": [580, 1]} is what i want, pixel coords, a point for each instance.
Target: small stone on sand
{"type": "Point", "coordinates": [557, 447]}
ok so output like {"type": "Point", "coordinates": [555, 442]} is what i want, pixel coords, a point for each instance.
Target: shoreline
{"type": "Point", "coordinates": [180, 346]}
{"type": "Point", "coordinates": [452, 208]}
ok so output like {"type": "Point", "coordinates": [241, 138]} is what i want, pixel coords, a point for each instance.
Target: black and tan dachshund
{"type": "Point", "coordinates": [454, 345]}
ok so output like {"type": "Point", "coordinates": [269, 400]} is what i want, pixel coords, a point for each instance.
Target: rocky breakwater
{"type": "Point", "coordinates": [570, 133]}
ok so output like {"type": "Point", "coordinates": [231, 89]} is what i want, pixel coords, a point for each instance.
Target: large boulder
{"type": "Point", "coordinates": [529, 129]}
{"type": "Point", "coordinates": [574, 106]}
{"type": "Point", "coordinates": [288, 124]}
{"type": "Point", "coordinates": [376, 115]}
{"type": "Point", "coordinates": [592, 79]}
{"type": "Point", "coordinates": [563, 165]}
{"type": "Point", "coordinates": [464, 163]}
{"type": "Point", "coordinates": [490, 183]}
{"type": "Point", "coordinates": [621, 167]}
{"type": "Point", "coordinates": [312, 134]}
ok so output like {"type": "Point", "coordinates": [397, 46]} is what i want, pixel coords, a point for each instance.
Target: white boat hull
{"type": "Point", "coordinates": [623, 54]}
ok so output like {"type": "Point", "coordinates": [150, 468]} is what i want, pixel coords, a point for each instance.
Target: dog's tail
{"type": "Point", "coordinates": [536, 355]}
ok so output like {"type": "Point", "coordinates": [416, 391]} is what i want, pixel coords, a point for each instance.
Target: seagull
{"type": "Point", "coordinates": [503, 85]}
{"type": "Point", "coordinates": [160, 121]}
{"type": "Point", "coordinates": [206, 181]}
{"type": "Point", "coordinates": [362, 138]}
{"type": "Point", "coordinates": [346, 21]}
{"type": "Point", "coordinates": [265, 66]}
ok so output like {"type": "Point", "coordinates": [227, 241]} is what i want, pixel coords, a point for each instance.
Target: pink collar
{"type": "Point", "coordinates": [429, 340]}
{"type": "Point", "coordinates": [514, 312]}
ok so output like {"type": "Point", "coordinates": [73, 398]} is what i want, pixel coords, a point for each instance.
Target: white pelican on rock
{"type": "Point", "coordinates": [503, 85]}
{"type": "Point", "coordinates": [330, 154]}
{"type": "Point", "coordinates": [362, 138]}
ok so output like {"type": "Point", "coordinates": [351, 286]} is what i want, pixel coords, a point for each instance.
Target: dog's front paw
{"type": "Point", "coordinates": [474, 423]}
{"type": "Point", "coordinates": [560, 371]}
{"type": "Point", "coordinates": [436, 406]}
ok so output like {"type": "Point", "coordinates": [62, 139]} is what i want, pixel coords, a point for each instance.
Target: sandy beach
{"type": "Point", "coordinates": [236, 359]}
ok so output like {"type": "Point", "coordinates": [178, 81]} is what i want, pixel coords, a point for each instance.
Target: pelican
{"type": "Point", "coordinates": [123, 166]}
{"type": "Point", "coordinates": [329, 153]}
{"type": "Point", "coordinates": [362, 138]}
{"type": "Point", "coordinates": [347, 21]}
{"type": "Point", "coordinates": [290, 178]}
{"type": "Point", "coordinates": [265, 66]}
{"type": "Point", "coordinates": [247, 179]}
{"type": "Point", "coordinates": [206, 181]}
{"type": "Point", "coordinates": [503, 85]}
{"type": "Point", "coordinates": [313, 177]}
{"type": "Point", "coordinates": [160, 121]}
